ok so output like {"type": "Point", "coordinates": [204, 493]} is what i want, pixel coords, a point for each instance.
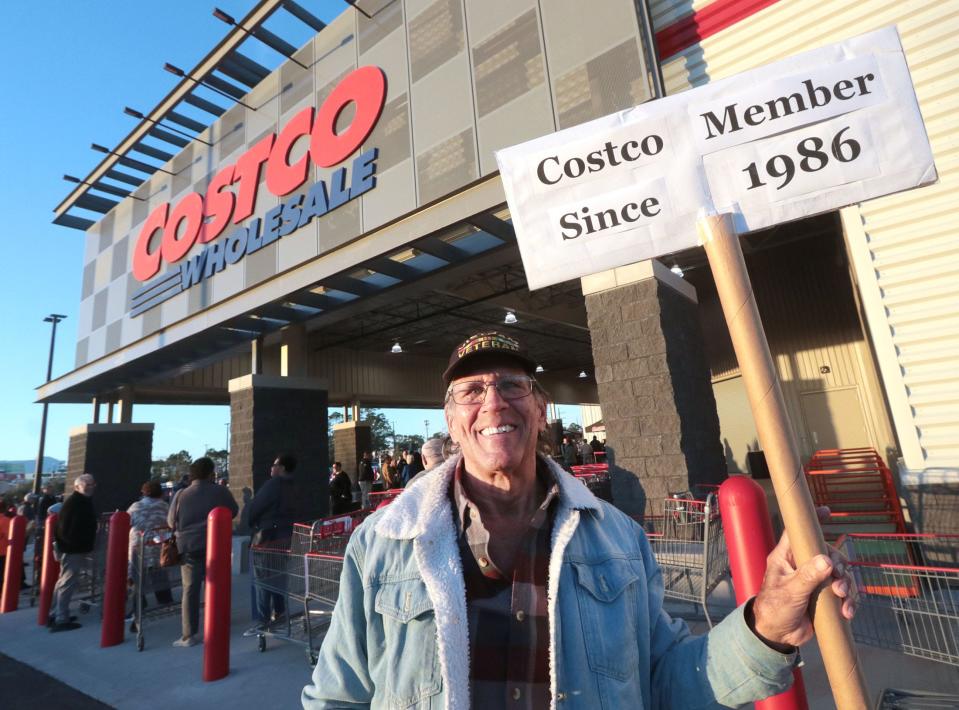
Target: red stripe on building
{"type": "Point", "coordinates": [713, 18]}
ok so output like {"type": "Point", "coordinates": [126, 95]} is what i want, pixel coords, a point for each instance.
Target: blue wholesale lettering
{"type": "Point", "coordinates": [323, 196]}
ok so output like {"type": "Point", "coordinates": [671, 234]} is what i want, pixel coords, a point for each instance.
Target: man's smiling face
{"type": "Point", "coordinates": [496, 434]}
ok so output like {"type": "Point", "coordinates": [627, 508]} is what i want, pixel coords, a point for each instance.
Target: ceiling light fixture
{"type": "Point", "coordinates": [397, 348]}
{"type": "Point", "coordinates": [510, 318]}
{"type": "Point", "coordinates": [539, 368]}
{"type": "Point", "coordinates": [582, 374]}
{"type": "Point", "coordinates": [676, 269]}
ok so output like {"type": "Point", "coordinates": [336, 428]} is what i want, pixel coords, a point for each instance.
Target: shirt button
{"type": "Point", "coordinates": [483, 562]}
{"type": "Point", "coordinates": [520, 615]}
{"type": "Point", "coordinates": [517, 693]}
{"type": "Point", "coordinates": [560, 696]}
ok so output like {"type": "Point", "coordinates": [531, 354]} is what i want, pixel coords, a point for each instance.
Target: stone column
{"type": "Point", "coordinates": [350, 440]}
{"type": "Point", "coordinates": [654, 385]}
{"type": "Point", "coordinates": [271, 415]}
{"type": "Point", "coordinates": [118, 455]}
{"type": "Point", "coordinates": [294, 353]}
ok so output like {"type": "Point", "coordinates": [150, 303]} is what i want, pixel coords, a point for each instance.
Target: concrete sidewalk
{"type": "Point", "coordinates": [164, 677]}
{"type": "Point", "coordinates": [160, 676]}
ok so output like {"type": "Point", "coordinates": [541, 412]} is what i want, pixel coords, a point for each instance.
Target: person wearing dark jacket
{"type": "Point", "coordinates": [74, 537]}
{"type": "Point", "coordinates": [341, 491]}
{"type": "Point", "coordinates": [187, 517]}
{"type": "Point", "coordinates": [272, 515]}
{"type": "Point", "coordinates": [364, 477]}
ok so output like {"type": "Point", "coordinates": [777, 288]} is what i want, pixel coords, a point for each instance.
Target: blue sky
{"type": "Point", "coordinates": [71, 68]}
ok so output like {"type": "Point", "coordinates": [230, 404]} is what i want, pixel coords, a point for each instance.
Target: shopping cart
{"type": "Point", "coordinates": [322, 589]}
{"type": "Point", "coordinates": [279, 570]}
{"type": "Point", "coordinates": [595, 476]}
{"type": "Point", "coordinates": [149, 578]}
{"type": "Point", "coordinates": [689, 546]}
{"type": "Point", "coordinates": [378, 498]}
{"type": "Point", "coordinates": [909, 593]}
{"type": "Point", "coordinates": [89, 590]}
{"type": "Point", "coordinates": [893, 699]}
{"type": "Point", "coordinates": [301, 571]}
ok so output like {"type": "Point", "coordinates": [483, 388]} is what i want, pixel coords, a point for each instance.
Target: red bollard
{"type": "Point", "coordinates": [49, 571]}
{"type": "Point", "coordinates": [216, 625]}
{"type": "Point", "coordinates": [115, 581]}
{"type": "Point", "coordinates": [13, 573]}
{"type": "Point", "coordinates": [749, 539]}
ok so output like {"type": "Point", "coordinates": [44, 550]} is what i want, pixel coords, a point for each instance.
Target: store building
{"type": "Point", "coordinates": [346, 204]}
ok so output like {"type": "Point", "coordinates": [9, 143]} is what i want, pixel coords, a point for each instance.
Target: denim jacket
{"type": "Point", "coordinates": [398, 637]}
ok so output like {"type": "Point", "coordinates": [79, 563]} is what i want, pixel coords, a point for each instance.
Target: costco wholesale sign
{"type": "Point", "coordinates": [818, 131]}
{"type": "Point", "coordinates": [169, 233]}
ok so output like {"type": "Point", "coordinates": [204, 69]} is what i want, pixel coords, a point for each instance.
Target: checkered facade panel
{"type": "Point", "coordinates": [464, 79]}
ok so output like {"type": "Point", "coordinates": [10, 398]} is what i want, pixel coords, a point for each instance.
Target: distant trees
{"type": "Point", "coordinates": [173, 467]}
{"type": "Point", "coordinates": [177, 465]}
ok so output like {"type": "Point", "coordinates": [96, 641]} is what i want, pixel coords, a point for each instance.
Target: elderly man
{"type": "Point", "coordinates": [500, 581]}
{"type": "Point", "coordinates": [74, 537]}
{"type": "Point", "coordinates": [432, 454]}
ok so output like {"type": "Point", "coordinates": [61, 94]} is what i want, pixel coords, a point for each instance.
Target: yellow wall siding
{"type": "Point", "coordinates": [903, 247]}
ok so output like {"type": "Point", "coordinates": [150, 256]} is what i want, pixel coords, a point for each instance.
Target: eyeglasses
{"type": "Point", "coordinates": [474, 392]}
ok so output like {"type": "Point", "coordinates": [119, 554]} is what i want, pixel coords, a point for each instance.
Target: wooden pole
{"type": "Point", "coordinates": [782, 453]}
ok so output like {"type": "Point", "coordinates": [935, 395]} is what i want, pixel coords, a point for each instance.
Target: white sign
{"type": "Point", "coordinates": [811, 133]}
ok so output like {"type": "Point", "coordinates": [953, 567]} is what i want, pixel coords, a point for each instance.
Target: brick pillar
{"type": "Point", "coordinates": [350, 440]}
{"type": "Point", "coordinates": [118, 455]}
{"type": "Point", "coordinates": [271, 415]}
{"type": "Point", "coordinates": [654, 384]}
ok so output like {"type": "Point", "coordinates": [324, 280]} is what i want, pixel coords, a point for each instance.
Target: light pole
{"type": "Point", "coordinates": [53, 318]}
{"type": "Point", "coordinates": [426, 425]}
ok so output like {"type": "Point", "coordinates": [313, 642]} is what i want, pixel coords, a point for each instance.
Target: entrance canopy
{"type": "Point", "coordinates": [425, 295]}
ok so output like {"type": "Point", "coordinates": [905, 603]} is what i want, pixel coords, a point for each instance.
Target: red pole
{"type": "Point", "coordinates": [216, 625]}
{"type": "Point", "coordinates": [749, 539]}
{"type": "Point", "coordinates": [13, 573]}
{"type": "Point", "coordinates": [115, 581]}
{"type": "Point", "coordinates": [49, 571]}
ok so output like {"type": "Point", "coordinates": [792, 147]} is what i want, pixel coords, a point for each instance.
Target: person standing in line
{"type": "Point", "coordinates": [433, 454]}
{"type": "Point", "coordinates": [43, 506]}
{"type": "Point", "coordinates": [585, 452]}
{"type": "Point", "coordinates": [364, 477]}
{"type": "Point", "coordinates": [272, 515]}
{"type": "Point", "coordinates": [391, 477]}
{"type": "Point", "coordinates": [74, 537]}
{"type": "Point", "coordinates": [146, 515]}
{"type": "Point", "coordinates": [568, 451]}
{"type": "Point", "coordinates": [187, 517]}
{"type": "Point", "coordinates": [595, 444]}
{"type": "Point", "coordinates": [341, 491]}
{"type": "Point", "coordinates": [5, 516]}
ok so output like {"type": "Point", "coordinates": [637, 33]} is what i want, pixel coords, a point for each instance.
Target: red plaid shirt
{"type": "Point", "coordinates": [508, 620]}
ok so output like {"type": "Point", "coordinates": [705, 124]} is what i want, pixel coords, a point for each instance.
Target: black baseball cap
{"type": "Point", "coordinates": [491, 346]}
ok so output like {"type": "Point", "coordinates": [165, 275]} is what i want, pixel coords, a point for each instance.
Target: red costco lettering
{"type": "Point", "coordinates": [206, 217]}
{"type": "Point", "coordinates": [366, 87]}
{"type": "Point", "coordinates": [190, 211]}
{"type": "Point", "coordinates": [217, 205]}
{"type": "Point", "coordinates": [145, 262]}
{"type": "Point", "coordinates": [281, 177]}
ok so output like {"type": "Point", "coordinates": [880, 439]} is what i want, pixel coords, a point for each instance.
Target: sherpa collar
{"type": "Point", "coordinates": [425, 505]}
